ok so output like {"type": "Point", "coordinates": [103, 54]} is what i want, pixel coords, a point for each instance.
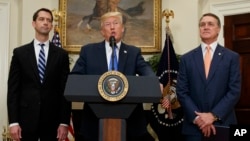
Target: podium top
{"type": "Point", "coordinates": [84, 88]}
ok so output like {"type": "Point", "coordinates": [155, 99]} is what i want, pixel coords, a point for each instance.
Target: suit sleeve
{"type": "Point", "coordinates": [230, 99]}
{"type": "Point", "coordinates": [80, 65]}
{"type": "Point", "coordinates": [142, 67]}
{"type": "Point", "coordinates": [66, 105]}
{"type": "Point", "coordinates": [13, 88]}
{"type": "Point", "coordinates": [183, 92]}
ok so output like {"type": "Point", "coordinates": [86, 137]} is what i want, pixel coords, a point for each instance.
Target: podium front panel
{"type": "Point", "coordinates": [84, 88]}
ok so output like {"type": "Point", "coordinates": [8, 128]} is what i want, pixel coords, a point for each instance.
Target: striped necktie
{"type": "Point", "coordinates": [207, 60]}
{"type": "Point", "coordinates": [113, 57]}
{"type": "Point", "coordinates": [41, 63]}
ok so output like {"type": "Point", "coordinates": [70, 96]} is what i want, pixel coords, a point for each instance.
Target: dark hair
{"type": "Point", "coordinates": [42, 9]}
{"type": "Point", "coordinates": [212, 15]}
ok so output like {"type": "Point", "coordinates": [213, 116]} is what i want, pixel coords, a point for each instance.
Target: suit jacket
{"type": "Point", "coordinates": [31, 103]}
{"type": "Point", "coordinates": [92, 60]}
{"type": "Point", "coordinates": [218, 94]}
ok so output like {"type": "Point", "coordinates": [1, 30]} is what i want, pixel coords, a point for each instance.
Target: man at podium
{"type": "Point", "coordinates": [96, 59]}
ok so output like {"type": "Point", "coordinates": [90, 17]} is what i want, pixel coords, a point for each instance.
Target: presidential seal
{"type": "Point", "coordinates": [173, 116]}
{"type": "Point", "coordinates": [113, 86]}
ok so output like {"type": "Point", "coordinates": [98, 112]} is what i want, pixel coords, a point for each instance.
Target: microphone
{"type": "Point", "coordinates": [112, 43]}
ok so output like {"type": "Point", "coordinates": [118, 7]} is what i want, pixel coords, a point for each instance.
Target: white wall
{"type": "Point", "coordinates": [4, 43]}
{"type": "Point", "coordinates": [184, 25]}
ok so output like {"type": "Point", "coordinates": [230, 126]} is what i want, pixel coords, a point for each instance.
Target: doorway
{"type": "Point", "coordinates": [237, 38]}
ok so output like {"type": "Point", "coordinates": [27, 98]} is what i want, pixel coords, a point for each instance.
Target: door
{"type": "Point", "coordinates": [237, 38]}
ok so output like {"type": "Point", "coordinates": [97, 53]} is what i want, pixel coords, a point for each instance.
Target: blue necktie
{"type": "Point", "coordinates": [113, 57]}
{"type": "Point", "coordinates": [41, 63]}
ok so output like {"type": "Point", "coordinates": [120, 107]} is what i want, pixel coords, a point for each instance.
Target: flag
{"type": "Point", "coordinates": [57, 42]}
{"type": "Point", "coordinates": [56, 39]}
{"type": "Point", "coordinates": [71, 135]}
{"type": "Point", "coordinates": [167, 123]}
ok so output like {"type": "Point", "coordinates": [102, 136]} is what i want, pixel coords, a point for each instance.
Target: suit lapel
{"type": "Point", "coordinates": [215, 61]}
{"type": "Point", "coordinates": [123, 53]}
{"type": "Point", "coordinates": [32, 58]}
{"type": "Point", "coordinates": [101, 57]}
{"type": "Point", "coordinates": [198, 58]}
{"type": "Point", "coordinates": [50, 60]}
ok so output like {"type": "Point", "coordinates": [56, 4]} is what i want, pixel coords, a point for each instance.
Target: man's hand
{"type": "Point", "coordinates": [207, 130]}
{"type": "Point", "coordinates": [161, 87]}
{"type": "Point", "coordinates": [205, 122]}
{"type": "Point", "coordinates": [15, 132]}
{"type": "Point", "coordinates": [206, 119]}
{"type": "Point", "coordinates": [62, 133]}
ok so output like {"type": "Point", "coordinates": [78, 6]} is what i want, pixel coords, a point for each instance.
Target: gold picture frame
{"type": "Point", "coordinates": [142, 27]}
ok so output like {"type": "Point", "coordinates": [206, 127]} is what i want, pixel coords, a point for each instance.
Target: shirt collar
{"type": "Point", "coordinates": [107, 45]}
{"type": "Point", "coordinates": [36, 43]}
{"type": "Point", "coordinates": [213, 46]}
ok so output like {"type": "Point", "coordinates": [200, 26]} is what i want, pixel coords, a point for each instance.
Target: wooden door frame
{"type": "Point", "coordinates": [228, 8]}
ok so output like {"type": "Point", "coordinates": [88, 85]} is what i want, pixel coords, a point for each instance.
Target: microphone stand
{"type": "Point", "coordinates": [112, 44]}
{"type": "Point", "coordinates": [113, 58]}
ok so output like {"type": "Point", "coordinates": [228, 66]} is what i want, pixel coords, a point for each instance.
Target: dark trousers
{"type": "Point", "coordinates": [145, 137]}
{"type": "Point", "coordinates": [32, 137]}
{"type": "Point", "coordinates": [193, 138]}
{"type": "Point", "coordinates": [40, 134]}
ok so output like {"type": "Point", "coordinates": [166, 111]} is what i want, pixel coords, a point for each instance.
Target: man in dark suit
{"type": "Point", "coordinates": [94, 59]}
{"type": "Point", "coordinates": [208, 97]}
{"type": "Point", "coordinates": [37, 108]}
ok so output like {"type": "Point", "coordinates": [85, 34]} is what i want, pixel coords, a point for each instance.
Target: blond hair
{"type": "Point", "coordinates": [111, 14]}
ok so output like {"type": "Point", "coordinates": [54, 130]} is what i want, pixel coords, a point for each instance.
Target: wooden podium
{"type": "Point", "coordinates": [112, 115]}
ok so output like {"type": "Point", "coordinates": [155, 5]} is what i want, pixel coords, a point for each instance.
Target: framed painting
{"type": "Point", "coordinates": [79, 24]}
